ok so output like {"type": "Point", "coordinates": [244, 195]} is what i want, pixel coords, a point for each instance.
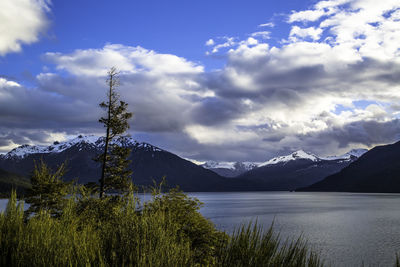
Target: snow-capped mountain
{"type": "Point", "coordinates": [298, 169]}
{"type": "Point", "coordinates": [148, 163]}
{"type": "Point", "coordinates": [229, 169]}
{"type": "Point", "coordinates": [57, 147]}
{"type": "Point", "coordinates": [352, 153]}
{"type": "Point", "coordinates": [377, 171]}
{"type": "Point", "coordinates": [233, 169]}
{"type": "Point", "coordinates": [298, 155]}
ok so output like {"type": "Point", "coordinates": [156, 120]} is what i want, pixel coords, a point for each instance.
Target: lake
{"type": "Point", "coordinates": [347, 228]}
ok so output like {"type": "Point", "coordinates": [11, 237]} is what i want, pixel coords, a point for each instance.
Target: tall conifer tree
{"type": "Point", "coordinates": [49, 191]}
{"type": "Point", "coordinates": [114, 172]}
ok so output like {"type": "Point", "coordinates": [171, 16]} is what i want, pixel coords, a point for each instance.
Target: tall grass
{"type": "Point", "coordinates": [168, 230]}
{"type": "Point", "coordinates": [249, 246]}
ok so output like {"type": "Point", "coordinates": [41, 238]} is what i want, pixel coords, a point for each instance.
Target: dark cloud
{"type": "Point", "coordinates": [256, 108]}
{"type": "Point", "coordinates": [367, 133]}
{"type": "Point", "coordinates": [274, 138]}
{"type": "Point", "coordinates": [215, 110]}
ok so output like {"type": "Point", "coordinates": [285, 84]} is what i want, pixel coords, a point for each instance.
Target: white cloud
{"type": "Point", "coordinates": [308, 15]}
{"type": "Point", "coordinates": [268, 24]}
{"type": "Point", "coordinates": [262, 34]}
{"type": "Point", "coordinates": [218, 135]}
{"type": "Point", "coordinates": [210, 42]}
{"type": "Point", "coordinates": [250, 41]}
{"type": "Point", "coordinates": [21, 22]}
{"type": "Point", "coordinates": [227, 42]}
{"type": "Point", "coordinates": [4, 82]}
{"type": "Point", "coordinates": [96, 62]}
{"type": "Point", "coordinates": [313, 33]}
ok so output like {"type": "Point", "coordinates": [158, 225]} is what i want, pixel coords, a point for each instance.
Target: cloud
{"type": "Point", "coordinates": [96, 62]}
{"type": "Point", "coordinates": [227, 42]}
{"type": "Point", "coordinates": [210, 42]}
{"type": "Point", "coordinates": [308, 15]}
{"type": "Point", "coordinates": [296, 88]}
{"type": "Point", "coordinates": [160, 90]}
{"type": "Point", "coordinates": [333, 84]}
{"type": "Point", "coordinates": [6, 83]}
{"type": "Point", "coordinates": [262, 34]}
{"type": "Point", "coordinates": [21, 22]}
{"type": "Point", "coordinates": [268, 24]}
{"type": "Point", "coordinates": [303, 33]}
{"type": "Point", "coordinates": [364, 133]}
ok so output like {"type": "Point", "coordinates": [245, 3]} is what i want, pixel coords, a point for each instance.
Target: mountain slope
{"type": "Point", "coordinates": [298, 169]}
{"type": "Point", "coordinates": [9, 181]}
{"type": "Point", "coordinates": [378, 171]}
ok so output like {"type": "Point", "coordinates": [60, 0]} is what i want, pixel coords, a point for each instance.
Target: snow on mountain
{"type": "Point", "coordinates": [229, 165]}
{"type": "Point", "coordinates": [95, 141]}
{"type": "Point", "coordinates": [215, 165]}
{"type": "Point", "coordinates": [357, 152]}
{"type": "Point", "coordinates": [300, 154]}
{"type": "Point", "coordinates": [352, 153]}
{"type": "Point", "coordinates": [57, 147]}
{"type": "Point", "coordinates": [247, 165]}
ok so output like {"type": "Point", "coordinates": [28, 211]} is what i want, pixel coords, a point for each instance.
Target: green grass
{"type": "Point", "coordinates": [166, 231]}
{"type": "Point", "coordinates": [250, 246]}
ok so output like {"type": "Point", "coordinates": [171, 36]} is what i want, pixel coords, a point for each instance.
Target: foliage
{"type": "Point", "coordinates": [115, 175]}
{"type": "Point", "coordinates": [43, 240]}
{"type": "Point", "coordinates": [249, 246]}
{"type": "Point", "coordinates": [183, 210]}
{"type": "Point", "coordinates": [117, 172]}
{"type": "Point", "coordinates": [48, 191]}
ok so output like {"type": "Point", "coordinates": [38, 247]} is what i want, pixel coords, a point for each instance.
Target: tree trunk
{"type": "Point", "coordinates": [103, 169]}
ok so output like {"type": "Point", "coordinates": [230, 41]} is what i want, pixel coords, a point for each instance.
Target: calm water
{"type": "Point", "coordinates": [348, 229]}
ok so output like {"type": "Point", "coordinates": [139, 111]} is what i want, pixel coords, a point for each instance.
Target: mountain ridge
{"type": "Point", "coordinates": [376, 171]}
{"type": "Point", "coordinates": [150, 163]}
{"type": "Point", "coordinates": [298, 169]}
{"type": "Point", "coordinates": [234, 169]}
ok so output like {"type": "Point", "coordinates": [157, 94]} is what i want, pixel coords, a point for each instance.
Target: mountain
{"type": "Point", "coordinates": [352, 153]}
{"type": "Point", "coordinates": [148, 163]}
{"type": "Point", "coordinates": [376, 171]}
{"type": "Point", "coordinates": [295, 156]}
{"type": "Point", "coordinates": [229, 169]}
{"type": "Point", "coordinates": [298, 169]}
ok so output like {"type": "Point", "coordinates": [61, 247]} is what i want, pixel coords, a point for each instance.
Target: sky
{"type": "Point", "coordinates": [207, 80]}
